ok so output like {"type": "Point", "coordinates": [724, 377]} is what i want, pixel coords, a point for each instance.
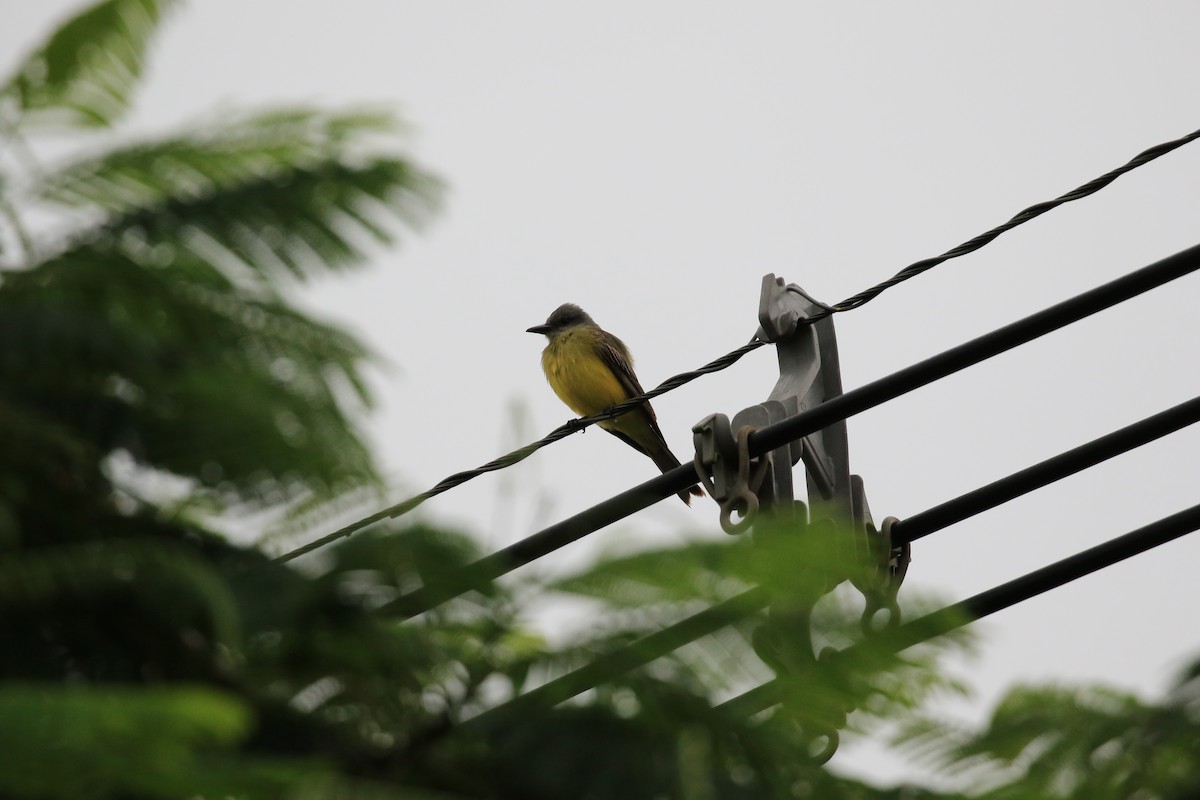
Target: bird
{"type": "Point", "coordinates": [590, 369]}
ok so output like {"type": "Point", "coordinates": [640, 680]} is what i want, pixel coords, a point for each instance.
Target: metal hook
{"type": "Point", "coordinates": [743, 496]}
{"type": "Point", "coordinates": [724, 465]}
{"type": "Point", "coordinates": [882, 589]}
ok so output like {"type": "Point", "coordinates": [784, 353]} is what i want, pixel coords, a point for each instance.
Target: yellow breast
{"type": "Point", "coordinates": [578, 376]}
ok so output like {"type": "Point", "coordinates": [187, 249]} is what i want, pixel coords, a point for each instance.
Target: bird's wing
{"type": "Point", "coordinates": [616, 356]}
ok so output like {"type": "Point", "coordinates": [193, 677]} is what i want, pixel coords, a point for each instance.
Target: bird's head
{"type": "Point", "coordinates": [568, 315]}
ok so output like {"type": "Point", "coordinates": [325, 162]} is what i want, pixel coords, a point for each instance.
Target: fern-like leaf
{"type": "Point", "coordinates": [281, 193]}
{"type": "Point", "coordinates": [85, 74]}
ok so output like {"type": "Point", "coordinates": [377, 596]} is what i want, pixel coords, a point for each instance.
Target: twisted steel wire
{"type": "Point", "coordinates": [729, 359]}
{"type": "Point", "coordinates": [1036, 210]}
{"type": "Point", "coordinates": [1028, 586]}
{"type": "Point", "coordinates": [453, 583]}
{"type": "Point", "coordinates": [520, 454]}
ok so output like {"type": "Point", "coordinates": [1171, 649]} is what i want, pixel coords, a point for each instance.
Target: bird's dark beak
{"type": "Point", "coordinates": [538, 329]}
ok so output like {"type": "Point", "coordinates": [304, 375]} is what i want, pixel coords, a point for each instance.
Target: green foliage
{"type": "Point", "coordinates": [802, 567]}
{"type": "Point", "coordinates": [84, 75]}
{"type": "Point", "coordinates": [173, 366]}
{"type": "Point", "coordinates": [309, 684]}
{"type": "Point", "coordinates": [788, 572]}
{"type": "Point", "coordinates": [145, 316]}
{"type": "Point", "coordinates": [1066, 742]}
{"type": "Point", "coordinates": [276, 194]}
{"type": "Point", "coordinates": [86, 742]}
{"type": "Point", "coordinates": [90, 742]}
{"type": "Point", "coordinates": [147, 340]}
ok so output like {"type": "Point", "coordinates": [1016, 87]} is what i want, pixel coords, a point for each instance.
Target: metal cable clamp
{"type": "Point", "coordinates": [725, 468]}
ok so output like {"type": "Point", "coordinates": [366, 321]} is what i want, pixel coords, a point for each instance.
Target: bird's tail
{"type": "Point", "coordinates": [649, 440]}
{"type": "Point", "coordinates": [666, 461]}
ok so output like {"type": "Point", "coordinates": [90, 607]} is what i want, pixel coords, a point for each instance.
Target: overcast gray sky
{"type": "Point", "coordinates": [651, 161]}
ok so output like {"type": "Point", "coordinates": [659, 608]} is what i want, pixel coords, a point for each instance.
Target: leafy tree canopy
{"type": "Point", "coordinates": [147, 341]}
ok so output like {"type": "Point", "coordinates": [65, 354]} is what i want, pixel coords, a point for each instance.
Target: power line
{"type": "Point", "coordinates": [970, 246]}
{"type": "Point", "coordinates": [649, 648]}
{"type": "Point", "coordinates": [442, 588]}
{"type": "Point", "coordinates": [745, 604]}
{"type": "Point", "coordinates": [729, 359]}
{"type": "Point", "coordinates": [520, 454]}
{"type": "Point", "coordinates": [1001, 597]}
{"type": "Point", "coordinates": [1060, 466]}
{"type": "Point", "coordinates": [972, 352]}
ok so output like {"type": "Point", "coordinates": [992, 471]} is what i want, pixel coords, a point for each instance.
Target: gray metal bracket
{"type": "Point", "coordinates": [809, 374]}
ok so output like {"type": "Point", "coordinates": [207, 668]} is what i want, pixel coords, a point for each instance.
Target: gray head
{"type": "Point", "coordinates": [568, 315]}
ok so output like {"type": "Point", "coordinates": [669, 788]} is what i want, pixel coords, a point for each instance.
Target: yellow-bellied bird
{"type": "Point", "coordinates": [590, 369]}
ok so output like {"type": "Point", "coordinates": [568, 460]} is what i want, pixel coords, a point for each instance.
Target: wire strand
{"type": "Point", "coordinates": [445, 586]}
{"type": "Point", "coordinates": [1070, 462]}
{"type": "Point", "coordinates": [1005, 595]}
{"type": "Point", "coordinates": [520, 454]}
{"type": "Point", "coordinates": [731, 358]}
{"type": "Point", "coordinates": [653, 646]}
{"type": "Point", "coordinates": [658, 644]}
{"type": "Point", "coordinates": [1034, 211]}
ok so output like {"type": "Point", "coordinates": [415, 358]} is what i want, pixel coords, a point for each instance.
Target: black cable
{"type": "Point", "coordinates": [485, 570]}
{"type": "Point", "coordinates": [1001, 597]}
{"type": "Point", "coordinates": [619, 506]}
{"type": "Point", "coordinates": [658, 644]}
{"type": "Point", "coordinates": [729, 359]}
{"type": "Point", "coordinates": [520, 454]}
{"type": "Point", "coordinates": [983, 347]}
{"type": "Point", "coordinates": [645, 650]}
{"type": "Point", "coordinates": [1052, 469]}
{"type": "Point", "coordinates": [1091, 187]}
